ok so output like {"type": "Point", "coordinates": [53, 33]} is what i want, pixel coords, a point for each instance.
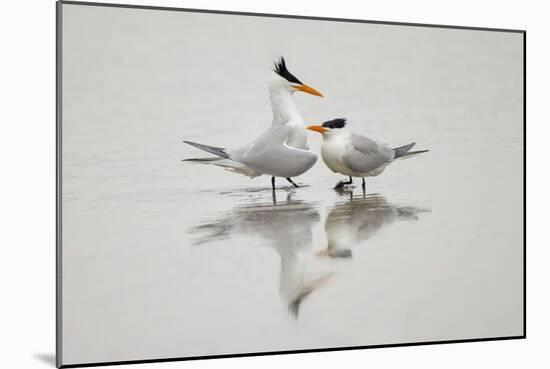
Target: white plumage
{"type": "Point", "coordinates": [354, 155]}
{"type": "Point", "coordinates": [282, 150]}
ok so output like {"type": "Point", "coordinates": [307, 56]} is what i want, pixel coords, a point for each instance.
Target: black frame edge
{"type": "Point", "coordinates": [525, 184]}
{"type": "Point", "coordinates": [288, 16]}
{"type": "Point", "coordinates": [308, 351]}
{"type": "Point", "coordinates": [58, 184]}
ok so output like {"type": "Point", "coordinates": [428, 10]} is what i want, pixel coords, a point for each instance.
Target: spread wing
{"type": "Point", "coordinates": [364, 155]}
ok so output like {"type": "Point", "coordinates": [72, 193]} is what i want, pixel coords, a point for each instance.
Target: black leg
{"type": "Point", "coordinates": [341, 184]}
{"type": "Point", "coordinates": [294, 184]}
{"type": "Point", "coordinates": [273, 183]}
{"type": "Point", "coordinates": [364, 185]}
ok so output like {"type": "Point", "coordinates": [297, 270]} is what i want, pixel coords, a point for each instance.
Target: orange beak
{"type": "Point", "coordinates": [309, 90]}
{"type": "Point", "coordinates": [319, 129]}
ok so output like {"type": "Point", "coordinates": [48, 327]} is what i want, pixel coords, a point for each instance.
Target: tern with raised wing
{"type": "Point", "coordinates": [354, 155]}
{"type": "Point", "coordinates": [282, 150]}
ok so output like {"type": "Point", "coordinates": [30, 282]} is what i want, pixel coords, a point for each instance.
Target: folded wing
{"type": "Point", "coordinates": [364, 155]}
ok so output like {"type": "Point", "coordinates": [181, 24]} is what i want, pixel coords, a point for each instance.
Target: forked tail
{"type": "Point", "coordinates": [218, 151]}
{"type": "Point", "coordinates": [404, 151]}
{"type": "Point", "coordinates": [222, 160]}
{"type": "Point", "coordinates": [411, 153]}
{"type": "Point", "coordinates": [202, 160]}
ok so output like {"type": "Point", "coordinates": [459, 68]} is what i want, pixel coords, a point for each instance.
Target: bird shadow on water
{"type": "Point", "coordinates": [287, 228]}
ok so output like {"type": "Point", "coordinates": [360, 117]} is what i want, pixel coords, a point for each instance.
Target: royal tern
{"type": "Point", "coordinates": [281, 151]}
{"type": "Point", "coordinates": [355, 155]}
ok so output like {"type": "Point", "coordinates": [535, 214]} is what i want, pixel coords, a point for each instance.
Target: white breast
{"type": "Point", "coordinates": [332, 152]}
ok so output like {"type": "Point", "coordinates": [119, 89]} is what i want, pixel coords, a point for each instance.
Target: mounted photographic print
{"type": "Point", "coordinates": [235, 184]}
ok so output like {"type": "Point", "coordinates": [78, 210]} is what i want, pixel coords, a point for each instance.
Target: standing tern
{"type": "Point", "coordinates": [355, 155]}
{"type": "Point", "coordinates": [282, 150]}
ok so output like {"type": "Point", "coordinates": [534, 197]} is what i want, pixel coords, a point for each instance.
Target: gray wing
{"type": "Point", "coordinates": [364, 155]}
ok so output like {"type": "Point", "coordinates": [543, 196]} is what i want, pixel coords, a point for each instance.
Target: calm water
{"type": "Point", "coordinates": [167, 259]}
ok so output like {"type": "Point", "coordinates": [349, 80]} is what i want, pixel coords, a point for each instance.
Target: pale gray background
{"type": "Point", "coordinates": [143, 280]}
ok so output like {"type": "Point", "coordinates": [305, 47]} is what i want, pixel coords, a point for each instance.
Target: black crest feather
{"type": "Point", "coordinates": [280, 69]}
{"type": "Point", "coordinates": [335, 123]}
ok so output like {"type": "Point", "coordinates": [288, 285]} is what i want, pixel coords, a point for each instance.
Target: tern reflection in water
{"type": "Point", "coordinates": [357, 220]}
{"type": "Point", "coordinates": [287, 228]}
